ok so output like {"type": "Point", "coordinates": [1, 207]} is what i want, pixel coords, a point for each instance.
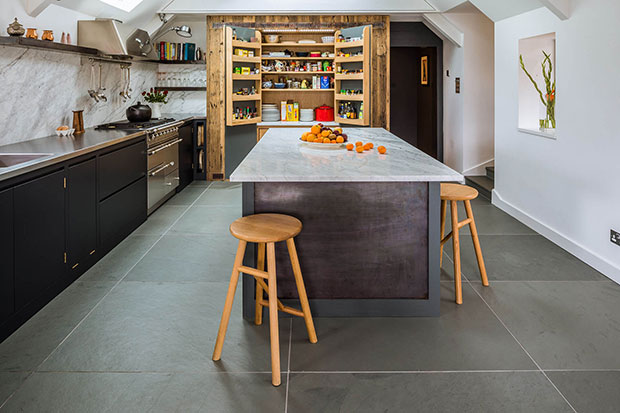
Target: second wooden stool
{"type": "Point", "coordinates": [266, 230]}
{"type": "Point", "coordinates": [455, 193]}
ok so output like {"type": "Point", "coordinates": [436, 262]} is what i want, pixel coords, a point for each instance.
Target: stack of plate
{"type": "Point", "coordinates": [270, 112]}
{"type": "Point", "coordinates": [306, 115]}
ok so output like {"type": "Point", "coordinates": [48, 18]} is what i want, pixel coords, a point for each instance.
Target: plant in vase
{"type": "Point", "coordinates": [156, 98]}
{"type": "Point", "coordinates": [547, 99]}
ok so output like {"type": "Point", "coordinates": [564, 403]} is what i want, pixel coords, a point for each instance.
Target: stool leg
{"type": "Point", "coordinates": [301, 289]}
{"type": "Point", "coordinates": [474, 238]}
{"type": "Point", "coordinates": [230, 296]}
{"type": "Point", "coordinates": [258, 312]}
{"type": "Point", "coordinates": [456, 252]}
{"type": "Point", "coordinates": [444, 204]}
{"type": "Point", "coordinates": [273, 314]}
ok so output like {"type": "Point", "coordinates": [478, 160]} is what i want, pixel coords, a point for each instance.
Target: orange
{"type": "Point", "coordinates": [340, 139]}
{"type": "Point", "coordinates": [338, 130]}
{"type": "Point", "coordinates": [367, 146]}
{"type": "Point", "coordinates": [326, 140]}
{"type": "Point", "coordinates": [332, 136]}
{"type": "Point", "coordinates": [333, 141]}
{"type": "Point", "coordinates": [349, 146]}
{"type": "Point", "coordinates": [382, 149]}
{"type": "Point", "coordinates": [358, 143]}
{"type": "Point", "coordinates": [318, 140]}
{"type": "Point", "coordinates": [325, 133]}
{"type": "Point", "coordinates": [311, 137]}
{"type": "Point", "coordinates": [359, 149]}
{"type": "Point", "coordinates": [370, 145]}
{"type": "Point", "coordinates": [316, 129]}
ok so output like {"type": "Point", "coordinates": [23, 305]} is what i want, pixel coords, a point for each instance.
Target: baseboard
{"type": "Point", "coordinates": [584, 254]}
{"type": "Point", "coordinates": [479, 169]}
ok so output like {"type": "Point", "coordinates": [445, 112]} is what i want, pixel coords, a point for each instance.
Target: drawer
{"type": "Point", "coordinates": [121, 167]}
{"type": "Point", "coordinates": [122, 212]}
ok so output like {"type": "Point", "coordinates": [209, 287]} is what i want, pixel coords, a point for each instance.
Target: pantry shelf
{"type": "Point", "coordinates": [246, 45]}
{"type": "Point", "coordinates": [361, 122]}
{"type": "Point", "coordinates": [246, 97]}
{"type": "Point", "coordinates": [245, 77]}
{"type": "Point", "coordinates": [340, 59]}
{"type": "Point", "coordinates": [246, 59]}
{"type": "Point", "coordinates": [299, 73]}
{"type": "Point", "coordinates": [346, 45]}
{"type": "Point", "coordinates": [295, 58]}
{"type": "Point", "coordinates": [357, 98]}
{"type": "Point", "coordinates": [245, 121]}
{"type": "Point", "coordinates": [353, 76]}
{"type": "Point", "coordinates": [291, 44]}
{"type": "Point", "coordinates": [297, 90]}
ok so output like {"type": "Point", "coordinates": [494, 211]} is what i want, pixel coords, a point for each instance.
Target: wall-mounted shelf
{"type": "Point", "coordinates": [26, 43]}
{"type": "Point", "coordinates": [181, 88]}
{"type": "Point", "coordinates": [178, 62]}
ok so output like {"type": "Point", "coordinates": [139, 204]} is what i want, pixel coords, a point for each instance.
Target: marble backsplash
{"type": "Point", "coordinates": [40, 89]}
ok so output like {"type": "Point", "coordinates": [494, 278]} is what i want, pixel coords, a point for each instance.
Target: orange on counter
{"type": "Point", "coordinates": [316, 129]}
{"type": "Point", "coordinates": [340, 139]}
{"type": "Point", "coordinates": [358, 143]}
{"type": "Point", "coordinates": [382, 149]}
{"type": "Point", "coordinates": [349, 146]}
{"type": "Point", "coordinates": [368, 146]}
{"type": "Point", "coordinates": [326, 140]}
{"type": "Point", "coordinates": [359, 149]}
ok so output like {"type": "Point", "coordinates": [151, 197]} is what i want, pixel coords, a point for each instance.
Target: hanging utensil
{"type": "Point", "coordinates": [91, 92]}
{"type": "Point", "coordinates": [122, 92]}
{"type": "Point", "coordinates": [100, 93]}
{"type": "Point", "coordinates": [129, 89]}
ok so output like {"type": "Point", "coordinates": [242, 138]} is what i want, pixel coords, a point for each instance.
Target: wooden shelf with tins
{"type": "Point", "coordinates": [244, 54]}
{"type": "Point", "coordinates": [356, 104]}
{"type": "Point", "coordinates": [306, 98]}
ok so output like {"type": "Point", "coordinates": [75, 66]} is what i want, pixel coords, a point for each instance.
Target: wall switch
{"type": "Point", "coordinates": [614, 237]}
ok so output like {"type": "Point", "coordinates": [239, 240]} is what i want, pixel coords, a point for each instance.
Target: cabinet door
{"type": "Point", "coordinates": [121, 167]}
{"type": "Point", "coordinates": [81, 211]}
{"type": "Point", "coordinates": [186, 156]}
{"type": "Point", "coordinates": [122, 213]}
{"type": "Point", "coordinates": [359, 58]}
{"type": "Point", "coordinates": [7, 288]}
{"type": "Point", "coordinates": [39, 228]}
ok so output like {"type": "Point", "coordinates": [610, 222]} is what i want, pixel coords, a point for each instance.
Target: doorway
{"type": "Point", "coordinates": [413, 97]}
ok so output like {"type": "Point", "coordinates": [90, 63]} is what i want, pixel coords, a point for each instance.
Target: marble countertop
{"type": "Point", "coordinates": [280, 156]}
{"type": "Point", "coordinates": [58, 149]}
{"type": "Point", "coordinates": [294, 124]}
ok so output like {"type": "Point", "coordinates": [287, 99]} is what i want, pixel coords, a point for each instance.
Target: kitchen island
{"type": "Point", "coordinates": [370, 241]}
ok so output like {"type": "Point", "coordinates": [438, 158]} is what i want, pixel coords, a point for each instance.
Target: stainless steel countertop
{"type": "Point", "coordinates": [63, 148]}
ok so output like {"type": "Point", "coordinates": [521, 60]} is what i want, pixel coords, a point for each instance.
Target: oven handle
{"type": "Point", "coordinates": [164, 146]}
{"type": "Point", "coordinates": [158, 169]}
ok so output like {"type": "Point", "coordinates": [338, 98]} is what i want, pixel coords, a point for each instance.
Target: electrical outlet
{"type": "Point", "coordinates": [457, 82]}
{"type": "Point", "coordinates": [614, 237]}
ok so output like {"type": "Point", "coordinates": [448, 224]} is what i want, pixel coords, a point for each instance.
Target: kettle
{"type": "Point", "coordinates": [138, 113]}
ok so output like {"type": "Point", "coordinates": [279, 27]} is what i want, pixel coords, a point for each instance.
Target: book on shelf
{"type": "Point", "coordinates": [182, 52]}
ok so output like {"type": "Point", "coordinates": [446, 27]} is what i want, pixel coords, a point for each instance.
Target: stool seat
{"type": "Point", "coordinates": [456, 192]}
{"type": "Point", "coordinates": [265, 228]}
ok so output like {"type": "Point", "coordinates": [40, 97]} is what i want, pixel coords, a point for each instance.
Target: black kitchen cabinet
{"type": "Point", "coordinates": [121, 167]}
{"type": "Point", "coordinates": [81, 212]}
{"type": "Point", "coordinates": [39, 234]}
{"type": "Point", "coordinates": [122, 212]}
{"type": "Point", "coordinates": [7, 303]}
{"type": "Point", "coordinates": [186, 156]}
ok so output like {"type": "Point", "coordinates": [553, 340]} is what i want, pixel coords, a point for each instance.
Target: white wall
{"type": "Point", "coordinates": [469, 148]}
{"type": "Point", "coordinates": [567, 189]}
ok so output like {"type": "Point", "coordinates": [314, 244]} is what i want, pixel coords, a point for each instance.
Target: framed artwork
{"type": "Point", "coordinates": [424, 71]}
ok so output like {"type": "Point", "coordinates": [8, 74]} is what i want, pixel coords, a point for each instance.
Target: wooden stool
{"type": "Point", "coordinates": [454, 193]}
{"type": "Point", "coordinates": [266, 229]}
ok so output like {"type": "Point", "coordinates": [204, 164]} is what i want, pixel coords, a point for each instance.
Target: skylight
{"type": "Point", "coordinates": [124, 5]}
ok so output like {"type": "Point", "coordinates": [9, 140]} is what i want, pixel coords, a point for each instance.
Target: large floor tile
{"type": "Point", "coordinates": [490, 220]}
{"type": "Point", "coordinates": [222, 195]}
{"type": "Point", "coordinates": [187, 196]}
{"type": "Point", "coordinates": [589, 391]}
{"type": "Point", "coordinates": [117, 262]}
{"type": "Point", "coordinates": [187, 258]}
{"type": "Point", "coordinates": [165, 327]}
{"type": "Point", "coordinates": [520, 258]}
{"type": "Point", "coordinates": [142, 392]}
{"type": "Point", "coordinates": [161, 220]}
{"type": "Point", "coordinates": [465, 337]}
{"type": "Point", "coordinates": [207, 220]}
{"type": "Point", "coordinates": [563, 325]}
{"type": "Point", "coordinates": [434, 392]}
{"type": "Point", "coordinates": [27, 347]}
{"type": "Point", "coordinates": [9, 382]}
{"type": "Point", "coordinates": [200, 183]}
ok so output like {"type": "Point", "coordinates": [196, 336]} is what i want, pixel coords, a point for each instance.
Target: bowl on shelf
{"type": "Point", "coordinates": [268, 84]}
{"type": "Point", "coordinates": [272, 38]}
{"type": "Point", "coordinates": [279, 85]}
{"type": "Point", "coordinates": [327, 39]}
{"type": "Point", "coordinates": [302, 54]}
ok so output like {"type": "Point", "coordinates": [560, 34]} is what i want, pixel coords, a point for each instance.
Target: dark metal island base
{"type": "Point", "coordinates": [368, 247]}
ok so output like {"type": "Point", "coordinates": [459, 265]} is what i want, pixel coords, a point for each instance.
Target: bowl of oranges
{"type": "Point", "coordinates": [323, 137]}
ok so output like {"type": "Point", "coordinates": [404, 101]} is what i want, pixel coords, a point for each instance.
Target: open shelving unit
{"type": "Point", "coordinates": [307, 98]}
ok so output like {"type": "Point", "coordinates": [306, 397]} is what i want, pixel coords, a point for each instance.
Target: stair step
{"type": "Point", "coordinates": [491, 172]}
{"type": "Point", "coordinates": [482, 183]}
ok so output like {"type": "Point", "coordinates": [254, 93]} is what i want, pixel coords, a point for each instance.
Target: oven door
{"type": "Point", "coordinates": [163, 174]}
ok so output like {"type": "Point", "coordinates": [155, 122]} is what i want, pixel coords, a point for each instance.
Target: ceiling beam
{"type": "Point", "coordinates": [560, 8]}
{"type": "Point", "coordinates": [35, 7]}
{"type": "Point", "coordinates": [437, 22]}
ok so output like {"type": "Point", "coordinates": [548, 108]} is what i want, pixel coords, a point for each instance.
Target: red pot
{"type": "Point", "coordinates": [324, 114]}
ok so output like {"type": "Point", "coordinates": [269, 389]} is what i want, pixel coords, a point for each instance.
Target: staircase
{"type": "Point", "coordinates": [484, 184]}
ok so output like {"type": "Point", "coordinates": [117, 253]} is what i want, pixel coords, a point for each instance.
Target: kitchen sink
{"type": "Point", "coordinates": [12, 159]}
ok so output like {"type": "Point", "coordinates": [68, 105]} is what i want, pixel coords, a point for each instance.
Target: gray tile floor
{"type": "Point", "coordinates": [136, 333]}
